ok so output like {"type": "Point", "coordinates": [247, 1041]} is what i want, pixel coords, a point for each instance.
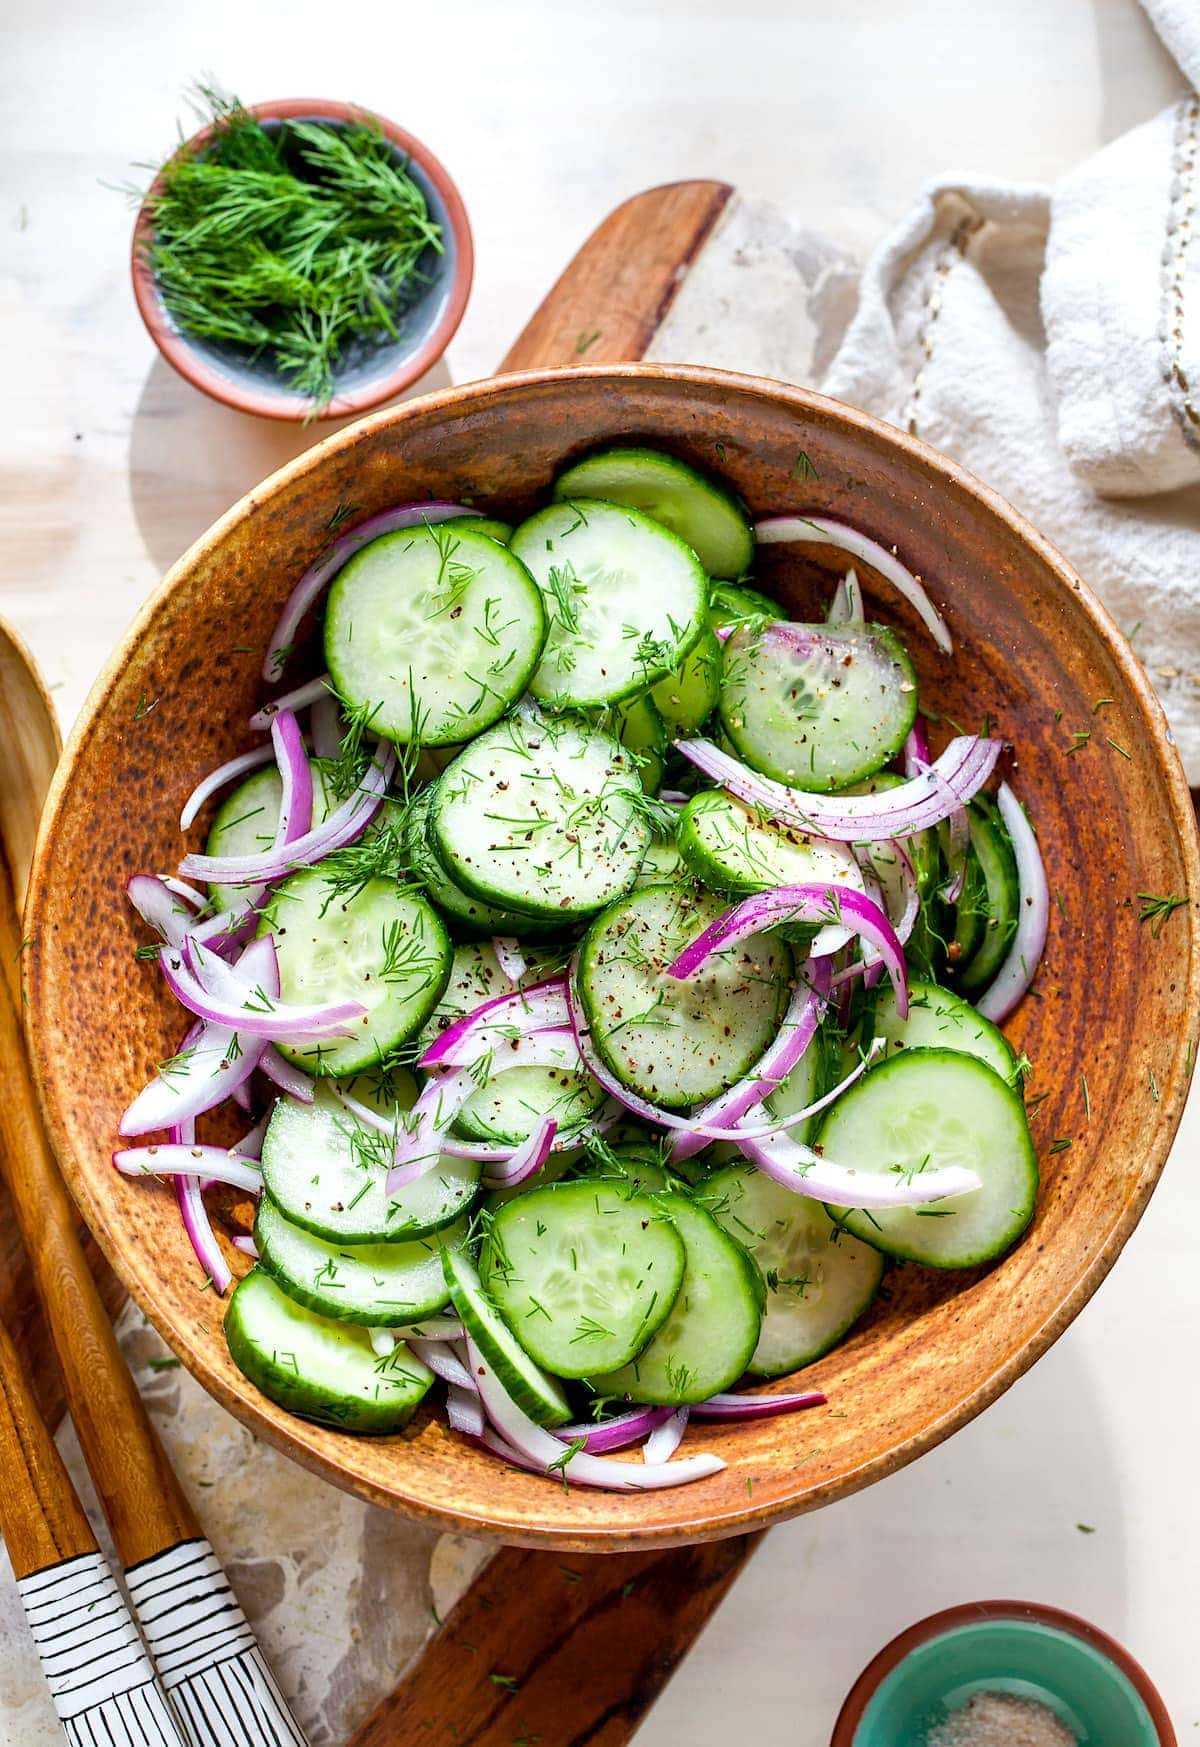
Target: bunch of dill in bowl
{"type": "Point", "coordinates": [294, 242]}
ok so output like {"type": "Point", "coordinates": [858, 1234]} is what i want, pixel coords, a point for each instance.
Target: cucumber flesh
{"type": "Point", "coordinates": [662, 863]}
{"type": "Point", "coordinates": [384, 1285]}
{"type": "Point", "coordinates": [584, 1273]}
{"type": "Point", "coordinates": [460, 906]}
{"type": "Point", "coordinates": [489, 525]}
{"type": "Point", "coordinates": [817, 706]}
{"type": "Point", "coordinates": [813, 1075]}
{"type": "Point", "coordinates": [938, 1019]}
{"type": "Point", "coordinates": [1000, 895]}
{"type": "Point", "coordinates": [925, 1109]}
{"type": "Point", "coordinates": [509, 1106]}
{"type": "Point", "coordinates": [383, 946]}
{"type": "Point", "coordinates": [247, 820]}
{"type": "Point", "coordinates": [638, 725]}
{"type": "Point", "coordinates": [677, 1042]}
{"type": "Point", "coordinates": [625, 600]}
{"type": "Point", "coordinates": [819, 1279]}
{"type": "Point", "coordinates": [732, 603]}
{"type": "Point", "coordinates": [538, 1394]}
{"type": "Point", "coordinates": [435, 631]}
{"type": "Point", "coordinates": [707, 1341]}
{"type": "Point", "coordinates": [701, 512]}
{"type": "Point", "coordinates": [316, 1368]}
{"type": "Point", "coordinates": [688, 697]}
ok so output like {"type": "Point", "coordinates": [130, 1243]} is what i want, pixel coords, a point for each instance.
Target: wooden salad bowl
{"type": "Point", "coordinates": [1106, 1031]}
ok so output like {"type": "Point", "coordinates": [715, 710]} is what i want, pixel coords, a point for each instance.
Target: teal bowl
{"type": "Point", "coordinates": [1092, 1685]}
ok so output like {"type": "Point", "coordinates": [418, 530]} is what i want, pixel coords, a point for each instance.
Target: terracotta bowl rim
{"type": "Point", "coordinates": [727, 1519]}
{"type": "Point", "coordinates": [195, 368]}
{"type": "Point", "coordinates": [968, 1613]}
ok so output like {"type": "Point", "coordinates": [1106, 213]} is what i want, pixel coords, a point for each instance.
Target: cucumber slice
{"type": "Point", "coordinates": [678, 1043]}
{"type": "Point", "coordinates": [938, 1019]}
{"type": "Point", "coordinates": [688, 697]}
{"type": "Point", "coordinates": [929, 1108]}
{"type": "Point", "coordinates": [489, 525]}
{"type": "Point", "coordinates": [541, 815]}
{"type": "Point", "coordinates": [383, 946]}
{"type": "Point", "coordinates": [637, 724]}
{"type": "Point", "coordinates": [662, 864]}
{"type": "Point", "coordinates": [701, 512]}
{"type": "Point", "coordinates": [460, 906]}
{"type": "Point", "coordinates": [321, 1370]}
{"type": "Point", "coordinates": [707, 1341]}
{"type": "Point", "coordinates": [375, 1285]}
{"type": "Point", "coordinates": [326, 1172]}
{"type": "Point", "coordinates": [925, 949]}
{"type": "Point", "coordinates": [816, 1072]}
{"type": "Point", "coordinates": [817, 706]}
{"type": "Point", "coordinates": [558, 1165]}
{"type": "Point", "coordinates": [583, 1273]}
{"type": "Point", "coordinates": [819, 1279]}
{"type": "Point", "coordinates": [540, 1396]}
{"type": "Point", "coordinates": [638, 1168]}
{"type": "Point", "coordinates": [732, 603]}
{"type": "Point", "coordinates": [624, 598]}
{"type": "Point", "coordinates": [732, 849]}
{"type": "Point", "coordinates": [998, 900]}
{"type": "Point", "coordinates": [512, 1101]}
{"type": "Point", "coordinates": [247, 820]}
{"type": "Point", "coordinates": [435, 631]}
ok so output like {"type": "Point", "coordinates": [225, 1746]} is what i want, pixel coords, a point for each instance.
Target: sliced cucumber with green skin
{"type": "Point", "coordinates": [509, 1106]}
{"type": "Point", "coordinates": [247, 820]}
{"type": "Point", "coordinates": [543, 815]}
{"type": "Point", "coordinates": [688, 697]}
{"type": "Point", "coordinates": [489, 525]}
{"type": "Point", "coordinates": [384, 946]}
{"type": "Point", "coordinates": [584, 1273]}
{"type": "Point", "coordinates": [813, 1075]}
{"type": "Point", "coordinates": [925, 949]}
{"type": "Point", "coordinates": [922, 1110]}
{"type": "Point", "coordinates": [638, 1168]}
{"type": "Point", "coordinates": [316, 1368]}
{"type": "Point", "coordinates": [386, 1285]}
{"type": "Point", "coordinates": [435, 631]}
{"type": "Point", "coordinates": [460, 906]}
{"type": "Point", "coordinates": [819, 1279]}
{"type": "Point", "coordinates": [558, 1165]}
{"type": "Point", "coordinates": [1001, 894]}
{"type": "Point", "coordinates": [662, 863]}
{"type": "Point", "coordinates": [702, 512]}
{"type": "Point", "coordinates": [637, 724]}
{"type": "Point", "coordinates": [938, 1019]}
{"type": "Point", "coordinates": [327, 1172]}
{"type": "Point", "coordinates": [625, 600]}
{"type": "Point", "coordinates": [817, 706]}
{"type": "Point", "coordinates": [539, 1395]}
{"type": "Point", "coordinates": [678, 1042]}
{"type": "Point", "coordinates": [732, 603]}
{"type": "Point", "coordinates": [707, 1341]}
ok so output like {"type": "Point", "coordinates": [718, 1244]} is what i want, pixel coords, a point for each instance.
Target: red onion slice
{"type": "Point", "coordinates": [330, 562]}
{"type": "Point", "coordinates": [187, 1159]}
{"type": "Point", "coordinates": [289, 1079]}
{"type": "Point", "coordinates": [295, 775]}
{"type": "Point", "coordinates": [442, 1362]}
{"type": "Point", "coordinates": [201, 1076]}
{"type": "Point", "coordinates": [325, 720]}
{"type": "Point", "coordinates": [230, 771]}
{"type": "Point", "coordinates": [527, 1160]}
{"type": "Point", "coordinates": [157, 904]}
{"type": "Point", "coordinates": [916, 755]}
{"type": "Point", "coordinates": [895, 873]}
{"type": "Point", "coordinates": [741, 1132]}
{"type": "Point", "coordinates": [846, 607]}
{"type": "Point", "coordinates": [207, 987]}
{"type": "Point", "coordinates": [201, 1234]}
{"type": "Point", "coordinates": [1033, 915]}
{"type": "Point", "coordinates": [961, 770]}
{"type": "Point", "coordinates": [464, 1410]}
{"type": "Point", "coordinates": [821, 531]}
{"type": "Point", "coordinates": [251, 1143]}
{"type": "Point", "coordinates": [731, 1406]}
{"type": "Point", "coordinates": [246, 1245]}
{"type": "Point", "coordinates": [600, 1436]}
{"type": "Point", "coordinates": [665, 1439]}
{"type": "Point", "coordinates": [542, 1007]}
{"type": "Point", "coordinates": [548, 1454]}
{"type": "Point", "coordinates": [311, 692]}
{"type": "Point", "coordinates": [419, 1134]}
{"type": "Point", "coordinates": [486, 1152]}
{"type": "Point", "coordinates": [343, 826]}
{"type": "Point", "coordinates": [509, 957]}
{"type": "Point", "coordinates": [797, 1167]}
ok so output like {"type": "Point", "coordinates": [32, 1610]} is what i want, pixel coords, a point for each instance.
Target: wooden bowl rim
{"type": "Point", "coordinates": [273, 1423]}
{"type": "Point", "coordinates": [192, 365]}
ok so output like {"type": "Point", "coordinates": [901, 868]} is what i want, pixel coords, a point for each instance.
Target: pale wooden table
{"type": "Point", "coordinates": [1079, 1487]}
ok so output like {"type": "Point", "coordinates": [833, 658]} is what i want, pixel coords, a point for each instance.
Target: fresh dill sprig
{"type": "Point", "coordinates": [1155, 910]}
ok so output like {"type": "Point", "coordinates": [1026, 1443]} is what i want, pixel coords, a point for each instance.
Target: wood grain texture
{"type": "Point", "coordinates": [41, 1518]}
{"type": "Point", "coordinates": [567, 1653]}
{"type": "Point", "coordinates": [610, 302]}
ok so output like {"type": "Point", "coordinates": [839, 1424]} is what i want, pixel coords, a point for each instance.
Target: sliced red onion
{"type": "Point", "coordinates": [420, 1132]}
{"type": "Point", "coordinates": [807, 903]}
{"type": "Point", "coordinates": [743, 1132]}
{"type": "Point", "coordinates": [527, 1160]}
{"type": "Point", "coordinates": [195, 1218]}
{"type": "Point", "coordinates": [464, 1410]}
{"type": "Point", "coordinates": [230, 771]}
{"type": "Point", "coordinates": [485, 1152]}
{"type": "Point", "coordinates": [665, 1439]}
{"type": "Point", "coordinates": [961, 770]}
{"type": "Point", "coordinates": [540, 1008]}
{"type": "Point", "coordinates": [799, 1027]}
{"type": "Point", "coordinates": [203, 1074]}
{"type": "Point", "coordinates": [228, 932]}
{"type": "Point", "coordinates": [797, 1167]}
{"type": "Point", "coordinates": [292, 1080]}
{"type": "Point", "coordinates": [1033, 915]}
{"type": "Point", "coordinates": [728, 1406]}
{"type": "Point", "coordinates": [246, 1245]}
{"type": "Point", "coordinates": [183, 1159]}
{"type": "Point", "coordinates": [821, 531]}
{"type": "Point", "coordinates": [310, 585]}
{"type": "Point", "coordinates": [442, 1362]}
{"type": "Point", "coordinates": [603, 1435]}
{"type": "Point", "coordinates": [295, 774]}
{"type": "Point", "coordinates": [343, 826]}
{"type": "Point", "coordinates": [916, 755]}
{"type": "Point", "coordinates": [243, 1097]}
{"type": "Point", "coordinates": [311, 692]}
{"type": "Point", "coordinates": [383, 1342]}
{"type": "Point", "coordinates": [509, 957]}
{"type": "Point", "coordinates": [155, 902]}
{"type": "Point", "coordinates": [204, 984]}
{"type": "Point", "coordinates": [325, 720]}
{"type": "Point", "coordinates": [846, 607]}
{"type": "Point", "coordinates": [895, 873]}
{"type": "Point", "coordinates": [548, 1454]}
{"type": "Point", "coordinates": [251, 1144]}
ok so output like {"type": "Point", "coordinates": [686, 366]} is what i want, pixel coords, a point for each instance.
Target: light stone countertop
{"type": "Point", "coordinates": [1078, 1487]}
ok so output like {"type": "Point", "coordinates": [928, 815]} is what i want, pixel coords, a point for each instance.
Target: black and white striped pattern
{"type": "Point", "coordinates": [99, 1675]}
{"type": "Point", "coordinates": [205, 1652]}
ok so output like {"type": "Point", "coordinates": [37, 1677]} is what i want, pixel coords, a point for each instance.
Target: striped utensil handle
{"type": "Point", "coordinates": [205, 1651]}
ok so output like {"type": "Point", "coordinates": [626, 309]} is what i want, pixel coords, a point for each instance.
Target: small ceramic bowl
{"type": "Point", "coordinates": [368, 376]}
{"type": "Point", "coordinates": [1018, 1648]}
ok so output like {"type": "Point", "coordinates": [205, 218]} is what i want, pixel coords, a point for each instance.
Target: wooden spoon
{"type": "Point", "coordinates": [214, 1670]}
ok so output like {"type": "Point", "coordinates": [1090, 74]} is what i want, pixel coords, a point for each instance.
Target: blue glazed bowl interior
{"type": "Point", "coordinates": [1025, 1658]}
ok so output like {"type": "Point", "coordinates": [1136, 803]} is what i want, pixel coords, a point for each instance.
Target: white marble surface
{"type": "Point", "coordinates": [548, 114]}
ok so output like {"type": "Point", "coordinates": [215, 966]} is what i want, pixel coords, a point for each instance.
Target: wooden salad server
{"type": "Point", "coordinates": [203, 1647]}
